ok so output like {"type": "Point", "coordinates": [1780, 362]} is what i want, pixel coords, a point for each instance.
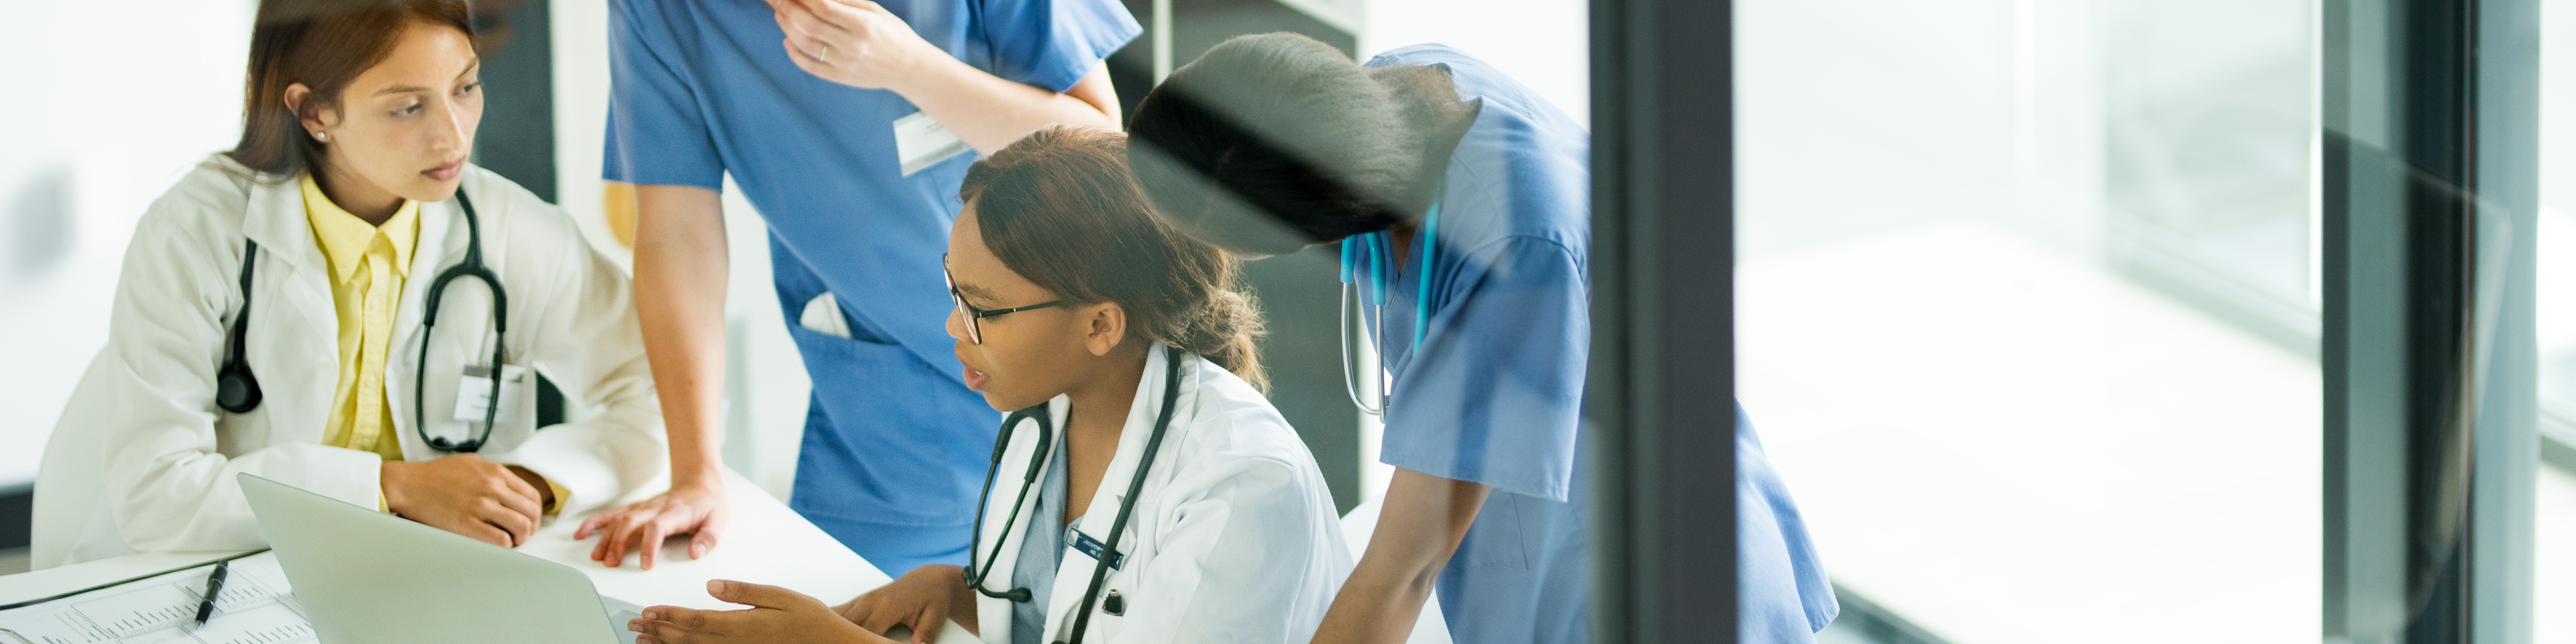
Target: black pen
{"type": "Point", "coordinates": [214, 586]}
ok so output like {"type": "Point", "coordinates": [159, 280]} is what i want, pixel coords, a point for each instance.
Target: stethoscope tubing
{"type": "Point", "coordinates": [237, 389]}
{"type": "Point", "coordinates": [1135, 489]}
{"type": "Point", "coordinates": [471, 266]}
{"type": "Point", "coordinates": [1377, 248]}
{"type": "Point", "coordinates": [976, 576]}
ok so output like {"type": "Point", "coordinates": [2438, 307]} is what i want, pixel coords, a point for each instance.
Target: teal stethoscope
{"type": "Point", "coordinates": [1369, 255]}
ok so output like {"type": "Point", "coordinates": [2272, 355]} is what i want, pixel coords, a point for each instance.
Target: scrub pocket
{"type": "Point", "coordinates": [888, 440]}
{"type": "Point", "coordinates": [823, 315]}
{"type": "Point", "coordinates": [1495, 539]}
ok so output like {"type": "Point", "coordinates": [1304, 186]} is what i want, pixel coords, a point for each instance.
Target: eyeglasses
{"type": "Point", "coordinates": [974, 326]}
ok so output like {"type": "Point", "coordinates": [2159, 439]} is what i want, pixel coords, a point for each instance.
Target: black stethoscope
{"type": "Point", "coordinates": [975, 576]}
{"type": "Point", "coordinates": [237, 389]}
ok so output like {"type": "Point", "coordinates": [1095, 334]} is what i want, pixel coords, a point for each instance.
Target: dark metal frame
{"type": "Point", "coordinates": [1661, 397]}
{"type": "Point", "coordinates": [2430, 113]}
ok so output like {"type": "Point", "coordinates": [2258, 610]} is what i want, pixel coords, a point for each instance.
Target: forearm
{"type": "Point", "coordinates": [988, 112]}
{"type": "Point", "coordinates": [1424, 519]}
{"type": "Point", "coordinates": [680, 273]}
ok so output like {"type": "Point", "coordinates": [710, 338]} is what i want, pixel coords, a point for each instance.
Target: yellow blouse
{"type": "Point", "coordinates": [368, 266]}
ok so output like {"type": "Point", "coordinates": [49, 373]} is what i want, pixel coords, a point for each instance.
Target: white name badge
{"type": "Point", "coordinates": [921, 142]}
{"type": "Point", "coordinates": [474, 391]}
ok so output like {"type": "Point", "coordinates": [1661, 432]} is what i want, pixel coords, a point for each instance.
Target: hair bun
{"type": "Point", "coordinates": [1224, 331]}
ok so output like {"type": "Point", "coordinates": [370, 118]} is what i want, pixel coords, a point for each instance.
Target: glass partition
{"type": "Point", "coordinates": [2028, 306]}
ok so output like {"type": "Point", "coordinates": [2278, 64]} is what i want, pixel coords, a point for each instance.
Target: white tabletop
{"type": "Point", "coordinates": [766, 543]}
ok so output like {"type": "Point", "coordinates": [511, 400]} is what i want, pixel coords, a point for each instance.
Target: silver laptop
{"type": "Point", "coordinates": [367, 576]}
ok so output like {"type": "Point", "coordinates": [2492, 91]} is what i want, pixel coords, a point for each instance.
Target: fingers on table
{"type": "Point", "coordinates": [760, 595]}
{"type": "Point", "coordinates": [614, 538]}
{"type": "Point", "coordinates": [705, 540]}
{"type": "Point", "coordinates": [509, 517]}
{"type": "Point", "coordinates": [590, 524]}
{"type": "Point", "coordinates": [648, 540]}
{"type": "Point", "coordinates": [685, 618]}
{"type": "Point", "coordinates": [611, 527]}
{"type": "Point", "coordinates": [925, 630]}
{"type": "Point", "coordinates": [651, 630]}
{"type": "Point", "coordinates": [485, 532]}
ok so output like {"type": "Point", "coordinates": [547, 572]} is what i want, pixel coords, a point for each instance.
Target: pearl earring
{"type": "Point", "coordinates": [318, 136]}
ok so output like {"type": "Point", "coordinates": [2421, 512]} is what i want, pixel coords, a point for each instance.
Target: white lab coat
{"type": "Point", "coordinates": [171, 453]}
{"type": "Point", "coordinates": [1234, 538]}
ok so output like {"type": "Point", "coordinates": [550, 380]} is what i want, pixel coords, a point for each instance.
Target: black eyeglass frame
{"type": "Point", "coordinates": [974, 316]}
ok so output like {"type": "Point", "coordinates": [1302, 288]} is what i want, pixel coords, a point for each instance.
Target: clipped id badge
{"type": "Point", "coordinates": [921, 142]}
{"type": "Point", "coordinates": [474, 391]}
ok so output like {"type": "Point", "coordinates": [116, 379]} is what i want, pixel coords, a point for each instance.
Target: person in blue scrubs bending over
{"type": "Point", "coordinates": [1461, 202]}
{"type": "Point", "coordinates": [849, 125]}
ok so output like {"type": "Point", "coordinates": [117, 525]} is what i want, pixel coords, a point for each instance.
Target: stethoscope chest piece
{"type": "Point", "coordinates": [236, 390]}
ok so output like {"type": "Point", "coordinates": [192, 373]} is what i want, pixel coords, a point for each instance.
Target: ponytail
{"type": "Point", "coordinates": [1060, 208]}
{"type": "Point", "coordinates": [1224, 331]}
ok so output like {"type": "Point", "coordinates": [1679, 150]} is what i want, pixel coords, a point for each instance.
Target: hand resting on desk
{"type": "Point", "coordinates": [696, 510]}
{"type": "Point", "coordinates": [776, 615]}
{"type": "Point", "coordinates": [466, 495]}
{"type": "Point", "coordinates": [922, 600]}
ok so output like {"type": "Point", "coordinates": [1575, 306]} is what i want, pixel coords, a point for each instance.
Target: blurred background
{"type": "Point", "coordinates": [2029, 308]}
{"type": "Point", "coordinates": [2028, 297]}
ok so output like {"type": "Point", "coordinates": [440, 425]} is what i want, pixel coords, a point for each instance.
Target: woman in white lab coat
{"type": "Point", "coordinates": [1123, 343]}
{"type": "Point", "coordinates": [361, 115]}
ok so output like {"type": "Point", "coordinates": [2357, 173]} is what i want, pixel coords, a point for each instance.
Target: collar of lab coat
{"type": "Point", "coordinates": [275, 219]}
{"type": "Point", "coordinates": [1073, 575]}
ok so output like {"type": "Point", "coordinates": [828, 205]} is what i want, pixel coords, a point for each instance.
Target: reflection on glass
{"type": "Point", "coordinates": [2555, 518]}
{"type": "Point", "coordinates": [2026, 310]}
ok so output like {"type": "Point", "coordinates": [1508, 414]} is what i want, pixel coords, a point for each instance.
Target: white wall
{"type": "Point", "coordinates": [109, 110]}
{"type": "Point", "coordinates": [1546, 44]}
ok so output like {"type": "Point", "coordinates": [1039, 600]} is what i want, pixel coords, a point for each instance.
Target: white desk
{"type": "Point", "coordinates": [765, 544]}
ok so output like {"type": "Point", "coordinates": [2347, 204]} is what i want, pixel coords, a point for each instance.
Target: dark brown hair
{"type": "Point", "coordinates": [1276, 132]}
{"type": "Point", "coordinates": [1061, 209]}
{"type": "Point", "coordinates": [323, 44]}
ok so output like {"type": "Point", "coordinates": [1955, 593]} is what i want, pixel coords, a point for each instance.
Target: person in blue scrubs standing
{"type": "Point", "coordinates": [1462, 205]}
{"type": "Point", "coordinates": [849, 125]}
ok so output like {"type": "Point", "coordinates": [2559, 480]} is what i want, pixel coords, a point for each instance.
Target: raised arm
{"type": "Point", "coordinates": [860, 44]}
{"type": "Point", "coordinates": [680, 263]}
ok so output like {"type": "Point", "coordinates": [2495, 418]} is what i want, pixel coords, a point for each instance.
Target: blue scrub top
{"type": "Point", "coordinates": [1493, 393]}
{"type": "Point", "coordinates": [895, 443]}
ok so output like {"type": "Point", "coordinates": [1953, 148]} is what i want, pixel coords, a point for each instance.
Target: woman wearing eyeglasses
{"type": "Point", "coordinates": [1145, 491]}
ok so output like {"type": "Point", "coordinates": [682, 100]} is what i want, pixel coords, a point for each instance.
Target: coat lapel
{"type": "Point", "coordinates": [1073, 577]}
{"type": "Point", "coordinates": [1008, 482]}
{"type": "Point", "coordinates": [291, 308]}
{"type": "Point", "coordinates": [433, 252]}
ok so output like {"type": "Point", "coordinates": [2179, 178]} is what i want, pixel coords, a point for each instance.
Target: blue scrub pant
{"type": "Point", "coordinates": [894, 547]}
